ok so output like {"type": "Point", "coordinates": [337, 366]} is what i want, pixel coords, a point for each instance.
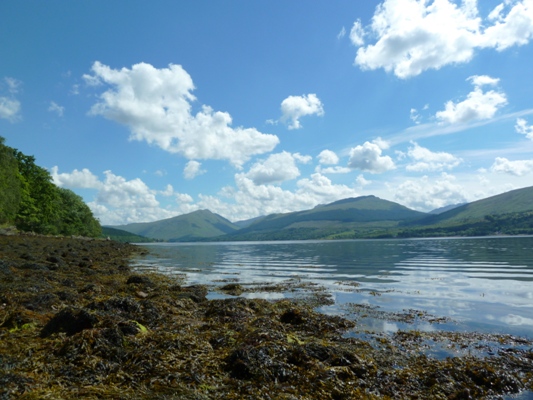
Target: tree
{"type": "Point", "coordinates": [76, 218]}
{"type": "Point", "coordinates": [39, 206]}
{"type": "Point", "coordinates": [30, 200]}
{"type": "Point", "coordinates": [10, 184]}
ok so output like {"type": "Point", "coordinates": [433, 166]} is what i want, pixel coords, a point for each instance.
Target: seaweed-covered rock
{"type": "Point", "coordinates": [140, 280]}
{"type": "Point", "coordinates": [69, 321]}
{"type": "Point", "coordinates": [262, 363]}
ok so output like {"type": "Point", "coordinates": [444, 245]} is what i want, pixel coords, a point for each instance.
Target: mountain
{"type": "Point", "coordinates": [361, 214]}
{"type": "Point", "coordinates": [440, 210]}
{"type": "Point", "coordinates": [119, 235]}
{"type": "Point", "coordinates": [360, 217]}
{"type": "Point", "coordinates": [247, 222]}
{"type": "Point", "coordinates": [515, 201]}
{"type": "Point", "coordinates": [199, 224]}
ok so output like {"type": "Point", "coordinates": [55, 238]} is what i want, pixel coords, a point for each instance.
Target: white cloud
{"type": "Point", "coordinates": [192, 169]}
{"type": "Point", "coordinates": [332, 170]}
{"type": "Point", "coordinates": [357, 34]}
{"type": "Point", "coordinates": [362, 181]}
{"type": "Point", "coordinates": [328, 157]}
{"type": "Point", "coordinates": [415, 117]}
{"type": "Point", "coordinates": [118, 200]}
{"type": "Point", "coordinates": [414, 36]}
{"type": "Point", "coordinates": [517, 168]}
{"type": "Point", "coordinates": [367, 157]}
{"type": "Point", "coordinates": [426, 160]}
{"type": "Point", "coordinates": [169, 191]}
{"type": "Point", "coordinates": [295, 107]}
{"type": "Point", "coordinates": [515, 28]}
{"type": "Point", "coordinates": [323, 190]}
{"type": "Point", "coordinates": [13, 84]}
{"type": "Point", "coordinates": [155, 104]}
{"type": "Point", "coordinates": [83, 179]}
{"type": "Point", "coordinates": [383, 144]}
{"type": "Point", "coordinates": [342, 33]}
{"type": "Point", "coordinates": [276, 168]}
{"type": "Point", "coordinates": [479, 105]}
{"type": "Point", "coordinates": [251, 200]}
{"type": "Point", "coordinates": [426, 194]}
{"type": "Point", "coordinates": [9, 109]}
{"type": "Point", "coordinates": [523, 128]}
{"type": "Point", "coordinates": [56, 108]}
{"type": "Point", "coordinates": [75, 89]}
{"type": "Point", "coordinates": [184, 198]}
{"type": "Point", "coordinates": [302, 159]}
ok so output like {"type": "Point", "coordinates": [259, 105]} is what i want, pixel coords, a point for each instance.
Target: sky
{"type": "Point", "coordinates": [149, 110]}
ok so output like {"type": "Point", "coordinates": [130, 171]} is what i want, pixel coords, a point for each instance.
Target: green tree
{"type": "Point", "coordinates": [40, 202]}
{"type": "Point", "coordinates": [10, 184]}
{"type": "Point", "coordinates": [76, 218]}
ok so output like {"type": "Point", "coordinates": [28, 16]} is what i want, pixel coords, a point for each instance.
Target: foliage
{"type": "Point", "coordinates": [10, 184]}
{"type": "Point", "coordinates": [30, 200]}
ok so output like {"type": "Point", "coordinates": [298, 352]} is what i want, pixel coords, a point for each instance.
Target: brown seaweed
{"type": "Point", "coordinates": [76, 322]}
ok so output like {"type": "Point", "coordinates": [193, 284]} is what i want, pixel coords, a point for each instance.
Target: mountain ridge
{"type": "Point", "coordinates": [193, 226]}
{"type": "Point", "coordinates": [355, 217]}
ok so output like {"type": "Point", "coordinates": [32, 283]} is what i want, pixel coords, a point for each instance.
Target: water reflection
{"type": "Point", "coordinates": [482, 282]}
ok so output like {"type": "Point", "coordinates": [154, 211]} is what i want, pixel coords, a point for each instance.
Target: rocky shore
{"type": "Point", "coordinates": [76, 322]}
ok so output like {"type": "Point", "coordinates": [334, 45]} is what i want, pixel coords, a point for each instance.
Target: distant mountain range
{"type": "Point", "coordinates": [361, 217]}
{"type": "Point", "coordinates": [197, 225]}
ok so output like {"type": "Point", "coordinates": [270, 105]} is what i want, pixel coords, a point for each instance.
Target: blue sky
{"type": "Point", "coordinates": [154, 109]}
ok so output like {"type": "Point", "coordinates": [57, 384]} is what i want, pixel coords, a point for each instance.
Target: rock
{"type": "Point", "coordinates": [139, 279]}
{"type": "Point", "coordinates": [69, 321]}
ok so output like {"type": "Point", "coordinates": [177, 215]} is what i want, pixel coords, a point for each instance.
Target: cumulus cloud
{"type": "Point", "coordinates": [357, 34]}
{"type": "Point", "coordinates": [56, 108]}
{"type": "Point", "coordinates": [117, 200]}
{"type": "Point", "coordinates": [83, 179]}
{"type": "Point", "coordinates": [251, 200]}
{"type": "Point", "coordinates": [517, 168]}
{"type": "Point", "coordinates": [413, 36]}
{"type": "Point", "coordinates": [9, 109]}
{"type": "Point", "coordinates": [426, 160]}
{"type": "Point", "coordinates": [426, 194]}
{"type": "Point", "coordinates": [295, 107]}
{"type": "Point", "coordinates": [276, 168]}
{"type": "Point", "coordinates": [332, 170]}
{"type": "Point", "coordinates": [193, 169]}
{"type": "Point", "coordinates": [362, 181]}
{"type": "Point", "coordinates": [328, 157]}
{"type": "Point", "coordinates": [523, 128]}
{"type": "Point", "coordinates": [367, 157]}
{"type": "Point", "coordinates": [156, 105]}
{"type": "Point", "coordinates": [478, 105]}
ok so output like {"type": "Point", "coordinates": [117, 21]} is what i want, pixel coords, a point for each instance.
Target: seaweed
{"type": "Point", "coordinates": [86, 326]}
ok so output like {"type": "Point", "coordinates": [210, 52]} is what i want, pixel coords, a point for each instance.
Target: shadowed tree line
{"type": "Point", "coordinates": [30, 200]}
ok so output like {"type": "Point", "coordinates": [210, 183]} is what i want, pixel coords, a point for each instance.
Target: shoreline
{"type": "Point", "coordinates": [76, 321]}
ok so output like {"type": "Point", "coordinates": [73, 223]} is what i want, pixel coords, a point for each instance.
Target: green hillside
{"type": "Point", "coordinates": [361, 214]}
{"type": "Point", "coordinates": [120, 235]}
{"type": "Point", "coordinates": [509, 213]}
{"type": "Point", "coordinates": [515, 201]}
{"type": "Point", "coordinates": [194, 226]}
{"type": "Point", "coordinates": [361, 217]}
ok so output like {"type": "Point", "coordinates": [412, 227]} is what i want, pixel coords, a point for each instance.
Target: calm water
{"type": "Point", "coordinates": [481, 283]}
